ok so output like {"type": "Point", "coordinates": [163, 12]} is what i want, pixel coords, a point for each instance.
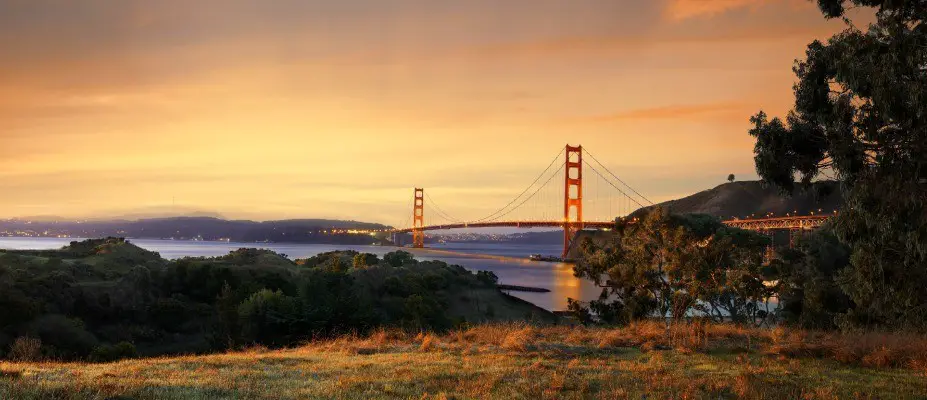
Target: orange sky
{"type": "Point", "coordinates": [311, 108]}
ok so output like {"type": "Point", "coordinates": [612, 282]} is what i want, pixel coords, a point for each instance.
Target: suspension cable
{"type": "Point", "coordinates": [616, 177]}
{"type": "Point", "coordinates": [612, 184]}
{"type": "Point", "coordinates": [440, 212]}
{"type": "Point", "coordinates": [533, 194]}
{"type": "Point", "coordinates": [523, 192]}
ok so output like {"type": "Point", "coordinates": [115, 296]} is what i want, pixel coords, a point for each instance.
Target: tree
{"type": "Point", "coordinates": [399, 258]}
{"type": "Point", "coordinates": [860, 118]}
{"type": "Point", "coordinates": [732, 281]}
{"type": "Point", "coordinates": [634, 270]}
{"type": "Point", "coordinates": [268, 317]}
{"type": "Point", "coordinates": [809, 294]}
{"type": "Point", "coordinates": [673, 264]}
{"type": "Point", "coordinates": [226, 331]}
{"type": "Point", "coordinates": [487, 277]}
{"type": "Point", "coordinates": [364, 260]}
{"type": "Point", "coordinates": [730, 178]}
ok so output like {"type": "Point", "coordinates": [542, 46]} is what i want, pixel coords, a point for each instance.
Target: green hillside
{"type": "Point", "coordinates": [742, 199]}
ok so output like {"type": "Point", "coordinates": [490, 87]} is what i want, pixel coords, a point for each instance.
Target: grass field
{"type": "Point", "coordinates": [644, 360]}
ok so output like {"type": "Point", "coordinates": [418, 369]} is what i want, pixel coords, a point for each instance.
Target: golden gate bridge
{"type": "Point", "coordinates": [573, 203]}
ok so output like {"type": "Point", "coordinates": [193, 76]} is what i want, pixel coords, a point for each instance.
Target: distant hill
{"type": "Point", "coordinates": [741, 199]}
{"type": "Point", "coordinates": [205, 228]}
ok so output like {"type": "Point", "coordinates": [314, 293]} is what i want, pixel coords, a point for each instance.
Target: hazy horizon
{"type": "Point", "coordinates": [316, 109]}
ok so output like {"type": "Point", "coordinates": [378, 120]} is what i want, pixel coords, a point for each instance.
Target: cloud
{"type": "Point", "coordinates": [683, 9]}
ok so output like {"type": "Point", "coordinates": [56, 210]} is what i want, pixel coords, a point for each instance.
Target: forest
{"type": "Point", "coordinates": [107, 299]}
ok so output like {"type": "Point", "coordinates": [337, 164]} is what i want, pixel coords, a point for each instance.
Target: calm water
{"type": "Point", "coordinates": [509, 262]}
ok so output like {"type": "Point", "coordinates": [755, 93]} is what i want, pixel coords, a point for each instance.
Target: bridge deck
{"type": "Point", "coordinates": [800, 222]}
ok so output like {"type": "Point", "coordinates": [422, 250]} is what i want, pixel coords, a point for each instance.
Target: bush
{"type": "Point", "coordinates": [364, 260]}
{"type": "Point", "coordinates": [67, 336]}
{"type": "Point", "coordinates": [487, 277]}
{"type": "Point", "coordinates": [26, 348]}
{"type": "Point", "coordinates": [423, 312]}
{"type": "Point", "coordinates": [266, 317]}
{"type": "Point", "coordinates": [108, 353]}
{"type": "Point", "coordinates": [399, 258]}
{"type": "Point", "coordinates": [435, 281]}
{"type": "Point", "coordinates": [165, 313]}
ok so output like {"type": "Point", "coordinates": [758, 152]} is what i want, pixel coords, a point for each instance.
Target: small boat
{"type": "Point", "coordinates": [538, 257]}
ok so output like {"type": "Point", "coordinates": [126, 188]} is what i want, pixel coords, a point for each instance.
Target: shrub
{"type": "Point", "coordinates": [435, 281]}
{"type": "Point", "coordinates": [26, 348]}
{"type": "Point", "coordinates": [399, 258]}
{"type": "Point", "coordinates": [165, 313]}
{"type": "Point", "coordinates": [108, 353]}
{"type": "Point", "coordinates": [266, 317]}
{"type": "Point", "coordinates": [423, 312]}
{"type": "Point", "coordinates": [66, 335]}
{"type": "Point", "coordinates": [364, 260]}
{"type": "Point", "coordinates": [487, 277]}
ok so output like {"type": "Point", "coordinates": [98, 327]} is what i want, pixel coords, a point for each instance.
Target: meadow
{"type": "Point", "coordinates": [519, 361]}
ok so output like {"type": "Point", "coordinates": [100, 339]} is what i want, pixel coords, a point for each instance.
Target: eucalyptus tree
{"type": "Point", "coordinates": [860, 117]}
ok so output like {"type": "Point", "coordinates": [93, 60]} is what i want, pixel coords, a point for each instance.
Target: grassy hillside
{"type": "Point", "coordinates": [741, 199]}
{"type": "Point", "coordinates": [513, 362]}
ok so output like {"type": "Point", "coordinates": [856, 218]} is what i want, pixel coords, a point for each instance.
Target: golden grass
{"type": "Point", "coordinates": [685, 361]}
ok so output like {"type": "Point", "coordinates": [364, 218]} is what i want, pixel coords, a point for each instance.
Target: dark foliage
{"type": "Point", "coordinates": [810, 295]}
{"type": "Point", "coordinates": [860, 115]}
{"type": "Point", "coordinates": [105, 300]}
{"type": "Point", "coordinates": [672, 266]}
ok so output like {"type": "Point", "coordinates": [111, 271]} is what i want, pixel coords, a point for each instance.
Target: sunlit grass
{"type": "Point", "coordinates": [512, 361]}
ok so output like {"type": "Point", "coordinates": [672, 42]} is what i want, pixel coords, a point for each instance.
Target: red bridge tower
{"type": "Point", "coordinates": [418, 220]}
{"type": "Point", "coordinates": [573, 196]}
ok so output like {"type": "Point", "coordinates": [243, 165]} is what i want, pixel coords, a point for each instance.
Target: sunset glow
{"type": "Point", "coordinates": [338, 109]}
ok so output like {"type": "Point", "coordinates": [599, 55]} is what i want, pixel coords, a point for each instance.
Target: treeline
{"type": "Point", "coordinates": [693, 266]}
{"type": "Point", "coordinates": [107, 299]}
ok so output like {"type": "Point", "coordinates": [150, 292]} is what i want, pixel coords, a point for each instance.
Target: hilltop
{"type": "Point", "coordinates": [742, 199]}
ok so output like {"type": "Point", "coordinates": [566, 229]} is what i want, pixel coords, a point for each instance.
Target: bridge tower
{"type": "Point", "coordinates": [573, 196]}
{"type": "Point", "coordinates": [418, 219]}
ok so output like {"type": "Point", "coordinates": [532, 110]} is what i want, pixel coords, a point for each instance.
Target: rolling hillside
{"type": "Point", "coordinates": [741, 199]}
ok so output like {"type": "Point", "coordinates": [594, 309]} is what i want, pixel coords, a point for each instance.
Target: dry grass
{"type": "Point", "coordinates": [869, 349]}
{"type": "Point", "coordinates": [686, 361]}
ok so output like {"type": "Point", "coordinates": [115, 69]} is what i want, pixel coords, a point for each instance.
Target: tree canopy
{"type": "Point", "coordinates": [860, 117]}
{"type": "Point", "coordinates": [676, 265]}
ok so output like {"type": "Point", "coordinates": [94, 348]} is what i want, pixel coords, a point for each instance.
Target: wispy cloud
{"type": "Point", "coordinates": [684, 9]}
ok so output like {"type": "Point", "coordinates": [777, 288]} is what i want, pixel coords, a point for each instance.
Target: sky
{"type": "Point", "coordinates": [278, 109]}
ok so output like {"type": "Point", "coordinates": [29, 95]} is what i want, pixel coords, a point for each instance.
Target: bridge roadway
{"type": "Point", "coordinates": [760, 224]}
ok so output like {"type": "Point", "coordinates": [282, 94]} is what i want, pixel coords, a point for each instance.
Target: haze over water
{"type": "Point", "coordinates": [507, 261]}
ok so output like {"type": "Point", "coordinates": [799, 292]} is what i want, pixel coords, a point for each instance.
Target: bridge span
{"type": "Point", "coordinates": [803, 222]}
{"type": "Point", "coordinates": [570, 195]}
